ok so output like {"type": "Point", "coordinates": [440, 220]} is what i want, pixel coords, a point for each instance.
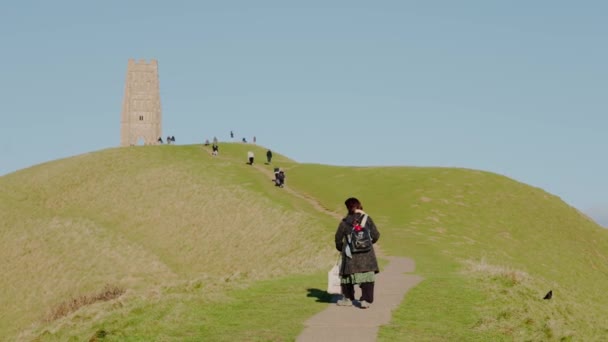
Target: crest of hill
{"type": "Point", "coordinates": [146, 217]}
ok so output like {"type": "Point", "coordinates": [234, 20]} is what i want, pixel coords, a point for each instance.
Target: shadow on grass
{"type": "Point", "coordinates": [322, 296]}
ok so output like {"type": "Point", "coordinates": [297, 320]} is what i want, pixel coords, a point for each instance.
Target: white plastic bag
{"type": "Point", "coordinates": [333, 280]}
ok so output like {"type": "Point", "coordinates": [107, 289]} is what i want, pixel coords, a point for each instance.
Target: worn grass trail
{"type": "Point", "coordinates": [336, 323]}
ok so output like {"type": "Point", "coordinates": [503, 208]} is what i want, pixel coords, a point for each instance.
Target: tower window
{"type": "Point", "coordinates": [141, 118]}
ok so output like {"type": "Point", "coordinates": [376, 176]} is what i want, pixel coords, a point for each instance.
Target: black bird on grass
{"type": "Point", "coordinates": [548, 295]}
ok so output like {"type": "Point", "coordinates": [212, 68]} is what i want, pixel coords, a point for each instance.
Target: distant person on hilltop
{"type": "Point", "coordinates": [244, 140]}
{"type": "Point", "coordinates": [160, 140]}
{"type": "Point", "coordinates": [168, 140]}
{"type": "Point", "coordinates": [254, 140]}
{"type": "Point", "coordinates": [216, 150]}
{"type": "Point", "coordinates": [231, 135]}
{"type": "Point", "coordinates": [355, 237]}
{"type": "Point", "coordinates": [215, 140]}
{"type": "Point", "coordinates": [269, 156]}
{"type": "Point", "coordinates": [250, 157]}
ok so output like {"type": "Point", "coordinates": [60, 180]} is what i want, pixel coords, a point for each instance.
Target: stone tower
{"type": "Point", "coordinates": [140, 121]}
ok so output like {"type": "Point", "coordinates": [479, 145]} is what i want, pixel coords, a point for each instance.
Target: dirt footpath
{"type": "Point", "coordinates": [334, 323]}
{"type": "Point", "coordinates": [392, 283]}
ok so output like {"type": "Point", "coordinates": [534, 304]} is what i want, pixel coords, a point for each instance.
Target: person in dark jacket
{"type": "Point", "coordinates": [280, 178]}
{"type": "Point", "coordinates": [269, 156]}
{"type": "Point", "coordinates": [356, 268]}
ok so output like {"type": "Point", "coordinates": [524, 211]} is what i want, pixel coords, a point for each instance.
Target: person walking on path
{"type": "Point", "coordinates": [250, 157]}
{"type": "Point", "coordinates": [279, 177]}
{"type": "Point", "coordinates": [358, 267]}
{"type": "Point", "coordinates": [269, 156]}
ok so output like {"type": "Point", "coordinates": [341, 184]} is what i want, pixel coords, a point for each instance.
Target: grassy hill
{"type": "Point", "coordinates": [489, 248]}
{"type": "Point", "coordinates": [166, 242]}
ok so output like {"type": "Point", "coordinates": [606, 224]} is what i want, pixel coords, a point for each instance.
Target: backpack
{"type": "Point", "coordinates": [360, 237]}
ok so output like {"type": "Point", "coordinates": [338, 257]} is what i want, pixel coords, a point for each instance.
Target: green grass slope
{"type": "Point", "coordinates": [488, 247]}
{"type": "Point", "coordinates": [208, 249]}
{"type": "Point", "coordinates": [159, 222]}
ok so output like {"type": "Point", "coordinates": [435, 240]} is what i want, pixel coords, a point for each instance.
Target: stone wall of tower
{"type": "Point", "coordinates": [141, 119]}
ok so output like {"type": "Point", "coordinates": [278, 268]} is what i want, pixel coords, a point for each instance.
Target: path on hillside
{"type": "Point", "coordinates": [270, 174]}
{"type": "Point", "coordinates": [335, 323]}
{"type": "Point", "coordinates": [300, 195]}
{"type": "Point", "coordinates": [352, 324]}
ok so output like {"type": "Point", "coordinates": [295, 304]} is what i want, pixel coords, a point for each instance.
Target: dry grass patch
{"type": "Point", "coordinates": [517, 309]}
{"type": "Point", "coordinates": [509, 275]}
{"type": "Point", "coordinates": [109, 292]}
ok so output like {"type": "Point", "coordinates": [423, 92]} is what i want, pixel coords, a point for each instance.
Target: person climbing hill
{"type": "Point", "coordinates": [359, 264]}
{"type": "Point", "coordinates": [250, 157]}
{"type": "Point", "coordinates": [279, 177]}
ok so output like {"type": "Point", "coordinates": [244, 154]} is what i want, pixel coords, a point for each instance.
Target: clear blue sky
{"type": "Point", "coordinates": [518, 88]}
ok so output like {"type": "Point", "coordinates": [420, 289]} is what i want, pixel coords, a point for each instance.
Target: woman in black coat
{"type": "Point", "coordinates": [357, 267]}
